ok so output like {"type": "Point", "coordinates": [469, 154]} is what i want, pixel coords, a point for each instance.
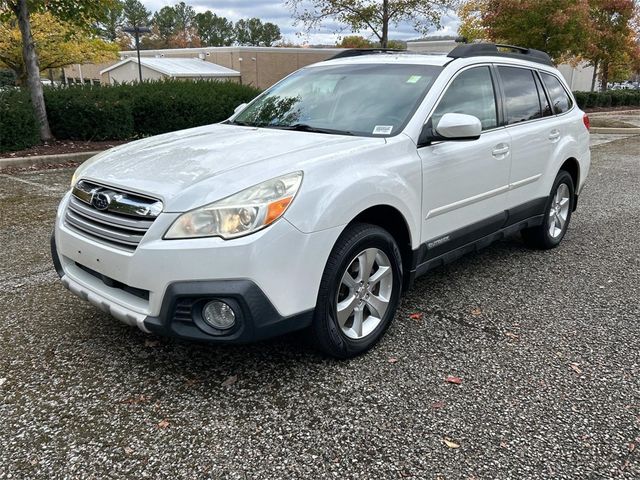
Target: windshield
{"type": "Point", "coordinates": [364, 100]}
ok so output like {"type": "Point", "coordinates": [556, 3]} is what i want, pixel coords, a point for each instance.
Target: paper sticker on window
{"type": "Point", "coordinates": [382, 129]}
{"type": "Point", "coordinates": [414, 78]}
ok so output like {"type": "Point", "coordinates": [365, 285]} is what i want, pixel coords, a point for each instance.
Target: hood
{"type": "Point", "coordinates": [166, 165]}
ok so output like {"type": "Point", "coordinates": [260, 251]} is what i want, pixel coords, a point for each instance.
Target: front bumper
{"type": "Point", "coordinates": [270, 278]}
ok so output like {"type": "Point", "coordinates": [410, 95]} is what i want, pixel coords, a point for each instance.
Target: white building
{"type": "Point", "coordinates": [127, 71]}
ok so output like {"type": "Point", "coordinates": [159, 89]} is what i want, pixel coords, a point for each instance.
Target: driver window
{"type": "Point", "coordinates": [470, 93]}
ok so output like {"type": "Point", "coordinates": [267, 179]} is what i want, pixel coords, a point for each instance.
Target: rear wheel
{"type": "Point", "coordinates": [359, 291]}
{"type": "Point", "coordinates": [557, 215]}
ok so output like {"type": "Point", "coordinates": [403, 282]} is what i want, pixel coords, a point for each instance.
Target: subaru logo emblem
{"type": "Point", "coordinates": [101, 201]}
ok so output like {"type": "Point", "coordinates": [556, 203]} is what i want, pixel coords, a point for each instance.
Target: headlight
{"type": "Point", "coordinates": [240, 214]}
{"type": "Point", "coordinates": [74, 178]}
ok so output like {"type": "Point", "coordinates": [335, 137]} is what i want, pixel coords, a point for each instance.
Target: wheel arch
{"type": "Point", "coordinates": [572, 167]}
{"type": "Point", "coordinates": [394, 222]}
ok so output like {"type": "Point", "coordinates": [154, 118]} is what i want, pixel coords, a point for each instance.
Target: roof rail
{"type": "Point", "coordinates": [356, 52]}
{"type": "Point", "coordinates": [499, 50]}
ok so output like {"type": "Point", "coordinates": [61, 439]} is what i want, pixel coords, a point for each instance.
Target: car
{"type": "Point", "coordinates": [315, 206]}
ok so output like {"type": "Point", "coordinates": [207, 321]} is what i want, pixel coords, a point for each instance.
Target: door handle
{"type": "Point", "coordinates": [554, 135]}
{"type": "Point", "coordinates": [500, 150]}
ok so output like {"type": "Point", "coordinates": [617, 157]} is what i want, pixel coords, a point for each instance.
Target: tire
{"type": "Point", "coordinates": [541, 237]}
{"type": "Point", "coordinates": [344, 286]}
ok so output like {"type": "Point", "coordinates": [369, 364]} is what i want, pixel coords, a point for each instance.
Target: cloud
{"type": "Point", "coordinates": [276, 12]}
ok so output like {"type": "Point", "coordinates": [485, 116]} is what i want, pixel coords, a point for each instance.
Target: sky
{"type": "Point", "coordinates": [274, 11]}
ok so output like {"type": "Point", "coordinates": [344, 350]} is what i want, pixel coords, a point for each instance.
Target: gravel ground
{"type": "Point", "coordinates": [545, 344]}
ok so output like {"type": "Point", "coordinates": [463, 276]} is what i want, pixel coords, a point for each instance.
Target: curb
{"type": "Point", "coordinates": [613, 113]}
{"type": "Point", "coordinates": [45, 159]}
{"type": "Point", "coordinates": [615, 131]}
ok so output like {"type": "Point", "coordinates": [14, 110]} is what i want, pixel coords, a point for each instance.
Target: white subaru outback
{"type": "Point", "coordinates": [318, 203]}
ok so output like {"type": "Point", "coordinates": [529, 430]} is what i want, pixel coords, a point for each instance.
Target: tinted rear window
{"type": "Point", "coordinates": [521, 94]}
{"type": "Point", "coordinates": [560, 100]}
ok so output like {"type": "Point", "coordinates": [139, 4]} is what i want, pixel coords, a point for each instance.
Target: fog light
{"type": "Point", "coordinates": [219, 315]}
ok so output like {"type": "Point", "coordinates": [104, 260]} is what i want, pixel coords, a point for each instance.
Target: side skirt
{"type": "Point", "coordinates": [448, 248]}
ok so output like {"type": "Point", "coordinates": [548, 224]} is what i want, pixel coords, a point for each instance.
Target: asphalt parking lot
{"type": "Point", "coordinates": [546, 345]}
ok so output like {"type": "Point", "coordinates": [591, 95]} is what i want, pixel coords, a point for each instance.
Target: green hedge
{"type": "Point", "coordinates": [18, 126]}
{"type": "Point", "coordinates": [119, 112]}
{"type": "Point", "coordinates": [610, 98]}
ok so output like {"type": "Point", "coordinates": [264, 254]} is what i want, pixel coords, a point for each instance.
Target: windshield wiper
{"type": "Point", "coordinates": [242, 124]}
{"type": "Point", "coordinates": [303, 127]}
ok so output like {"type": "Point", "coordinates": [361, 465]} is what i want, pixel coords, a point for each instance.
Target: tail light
{"type": "Point", "coordinates": [587, 122]}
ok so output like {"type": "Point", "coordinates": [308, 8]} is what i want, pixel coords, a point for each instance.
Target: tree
{"type": "Point", "coordinates": [373, 15]}
{"type": "Point", "coordinates": [354, 41]}
{"type": "Point", "coordinates": [83, 13]}
{"type": "Point", "coordinates": [165, 22]}
{"type": "Point", "coordinates": [214, 31]}
{"type": "Point", "coordinates": [109, 27]}
{"type": "Point", "coordinates": [135, 13]}
{"type": "Point", "coordinates": [175, 27]}
{"type": "Point", "coordinates": [558, 27]}
{"type": "Point", "coordinates": [59, 44]}
{"type": "Point", "coordinates": [613, 47]}
{"type": "Point", "coordinates": [255, 33]}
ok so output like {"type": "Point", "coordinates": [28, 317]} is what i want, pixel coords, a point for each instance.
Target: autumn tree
{"type": "Point", "coordinates": [376, 16]}
{"type": "Point", "coordinates": [558, 27]}
{"type": "Point", "coordinates": [81, 13]}
{"type": "Point", "coordinates": [59, 44]}
{"type": "Point", "coordinates": [613, 47]}
{"type": "Point", "coordinates": [255, 33]}
{"type": "Point", "coordinates": [214, 31]}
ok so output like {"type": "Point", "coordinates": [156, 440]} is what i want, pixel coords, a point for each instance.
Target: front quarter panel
{"type": "Point", "coordinates": [335, 191]}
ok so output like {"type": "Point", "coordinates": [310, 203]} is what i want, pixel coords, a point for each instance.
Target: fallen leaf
{"type": "Point", "coordinates": [452, 379]}
{"type": "Point", "coordinates": [164, 423]}
{"type": "Point", "coordinates": [128, 450]}
{"type": "Point", "coordinates": [576, 368]}
{"type": "Point", "coordinates": [512, 335]}
{"type": "Point", "coordinates": [632, 447]}
{"type": "Point", "coordinates": [438, 404]}
{"type": "Point", "coordinates": [151, 343]}
{"type": "Point", "coordinates": [416, 316]}
{"type": "Point", "coordinates": [393, 359]}
{"type": "Point", "coordinates": [136, 400]}
{"type": "Point", "coordinates": [190, 382]}
{"type": "Point", "coordinates": [230, 381]}
{"type": "Point", "coordinates": [476, 312]}
{"type": "Point", "coordinates": [450, 443]}
{"type": "Point", "coordinates": [503, 444]}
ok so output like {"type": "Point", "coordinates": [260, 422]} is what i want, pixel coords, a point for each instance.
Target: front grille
{"type": "Point", "coordinates": [110, 215]}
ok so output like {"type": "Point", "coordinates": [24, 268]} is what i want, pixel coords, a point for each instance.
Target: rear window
{"type": "Point", "coordinates": [521, 94]}
{"type": "Point", "coordinates": [560, 99]}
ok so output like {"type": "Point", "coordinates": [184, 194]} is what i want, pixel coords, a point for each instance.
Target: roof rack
{"type": "Point", "coordinates": [499, 50]}
{"type": "Point", "coordinates": [356, 52]}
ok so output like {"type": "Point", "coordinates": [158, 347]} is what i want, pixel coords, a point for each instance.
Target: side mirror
{"type": "Point", "coordinates": [452, 126]}
{"type": "Point", "coordinates": [239, 108]}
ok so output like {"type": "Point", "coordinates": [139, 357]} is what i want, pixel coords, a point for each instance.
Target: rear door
{"type": "Point", "coordinates": [465, 183]}
{"type": "Point", "coordinates": [529, 122]}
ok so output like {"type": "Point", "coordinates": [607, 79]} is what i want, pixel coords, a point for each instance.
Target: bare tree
{"type": "Point", "coordinates": [373, 15]}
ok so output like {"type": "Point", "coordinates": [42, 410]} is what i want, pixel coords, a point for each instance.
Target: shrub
{"type": "Point", "coordinates": [610, 98]}
{"type": "Point", "coordinates": [18, 125]}
{"type": "Point", "coordinates": [80, 114]}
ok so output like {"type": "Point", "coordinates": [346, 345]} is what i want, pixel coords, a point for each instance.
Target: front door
{"type": "Point", "coordinates": [465, 183]}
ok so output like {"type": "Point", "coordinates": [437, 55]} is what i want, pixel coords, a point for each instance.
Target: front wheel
{"type": "Point", "coordinates": [557, 215]}
{"type": "Point", "coordinates": [359, 291]}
